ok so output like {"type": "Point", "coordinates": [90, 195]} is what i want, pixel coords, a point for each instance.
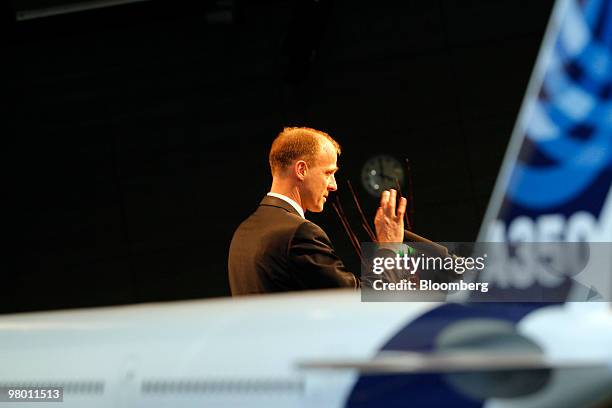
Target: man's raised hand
{"type": "Point", "coordinates": [389, 222]}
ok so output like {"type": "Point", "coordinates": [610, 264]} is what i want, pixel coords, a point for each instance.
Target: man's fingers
{"type": "Point", "coordinates": [392, 201]}
{"type": "Point", "coordinates": [384, 199]}
{"type": "Point", "coordinates": [401, 208]}
{"type": "Point", "coordinates": [388, 200]}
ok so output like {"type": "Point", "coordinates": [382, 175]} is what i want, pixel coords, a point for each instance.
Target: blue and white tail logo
{"type": "Point", "coordinates": [555, 184]}
{"type": "Point", "coordinates": [556, 179]}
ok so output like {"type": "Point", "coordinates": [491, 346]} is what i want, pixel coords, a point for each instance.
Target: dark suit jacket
{"type": "Point", "coordinates": [276, 250]}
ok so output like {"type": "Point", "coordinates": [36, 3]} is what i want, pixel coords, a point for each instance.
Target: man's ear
{"type": "Point", "coordinates": [300, 168]}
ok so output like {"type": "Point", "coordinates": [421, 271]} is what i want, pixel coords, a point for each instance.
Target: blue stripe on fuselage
{"type": "Point", "coordinates": [428, 390]}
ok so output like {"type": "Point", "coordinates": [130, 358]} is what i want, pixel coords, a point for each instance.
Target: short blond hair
{"type": "Point", "coordinates": [295, 143]}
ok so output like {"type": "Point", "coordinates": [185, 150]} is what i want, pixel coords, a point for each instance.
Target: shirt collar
{"type": "Point", "coordinates": [290, 201]}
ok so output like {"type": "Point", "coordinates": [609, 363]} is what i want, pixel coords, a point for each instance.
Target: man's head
{"type": "Point", "coordinates": [304, 160]}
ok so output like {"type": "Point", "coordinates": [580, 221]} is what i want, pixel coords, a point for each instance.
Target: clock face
{"type": "Point", "coordinates": [380, 173]}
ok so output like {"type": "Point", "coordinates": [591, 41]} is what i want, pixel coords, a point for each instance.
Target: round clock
{"type": "Point", "coordinates": [381, 172]}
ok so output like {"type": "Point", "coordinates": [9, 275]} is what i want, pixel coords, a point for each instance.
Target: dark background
{"type": "Point", "coordinates": [139, 134]}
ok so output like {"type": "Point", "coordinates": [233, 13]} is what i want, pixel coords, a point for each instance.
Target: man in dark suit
{"type": "Point", "coordinates": [276, 249]}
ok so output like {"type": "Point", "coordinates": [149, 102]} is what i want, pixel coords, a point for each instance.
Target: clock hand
{"type": "Point", "coordinates": [381, 168]}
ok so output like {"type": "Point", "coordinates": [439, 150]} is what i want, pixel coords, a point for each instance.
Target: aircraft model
{"type": "Point", "coordinates": [330, 349]}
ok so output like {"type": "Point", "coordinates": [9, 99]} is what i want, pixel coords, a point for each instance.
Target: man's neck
{"type": "Point", "coordinates": [288, 191]}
